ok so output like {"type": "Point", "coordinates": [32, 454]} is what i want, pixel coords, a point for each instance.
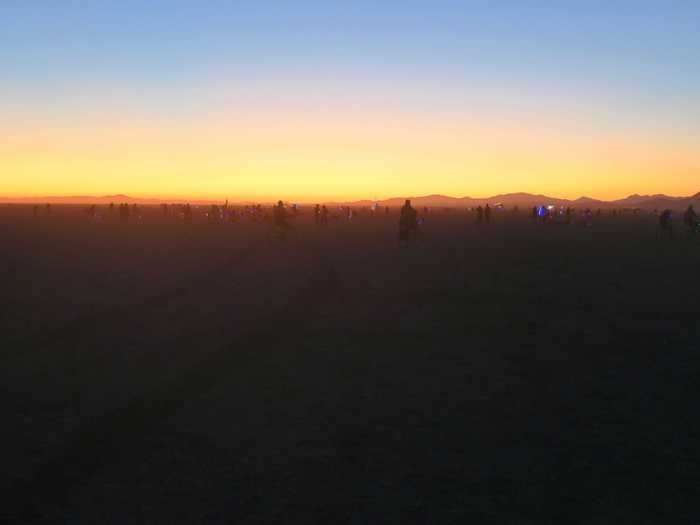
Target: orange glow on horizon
{"type": "Point", "coordinates": [339, 156]}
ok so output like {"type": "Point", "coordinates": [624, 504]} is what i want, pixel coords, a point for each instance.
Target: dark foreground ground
{"type": "Point", "coordinates": [517, 373]}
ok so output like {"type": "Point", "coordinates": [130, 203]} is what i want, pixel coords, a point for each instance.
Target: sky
{"type": "Point", "coordinates": [310, 100]}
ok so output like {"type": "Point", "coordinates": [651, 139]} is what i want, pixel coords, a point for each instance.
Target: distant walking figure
{"type": "Point", "coordinates": [279, 218]}
{"type": "Point", "coordinates": [690, 218]}
{"type": "Point", "coordinates": [479, 215]}
{"type": "Point", "coordinates": [408, 222]}
{"type": "Point", "coordinates": [324, 215]}
{"type": "Point", "coordinates": [317, 214]}
{"type": "Point", "coordinates": [665, 224]}
{"type": "Point", "coordinates": [487, 214]}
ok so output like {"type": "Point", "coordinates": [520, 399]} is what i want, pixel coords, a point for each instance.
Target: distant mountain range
{"type": "Point", "coordinates": [528, 200]}
{"type": "Point", "coordinates": [509, 200]}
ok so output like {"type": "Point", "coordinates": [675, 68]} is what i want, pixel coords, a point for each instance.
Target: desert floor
{"type": "Point", "coordinates": [161, 372]}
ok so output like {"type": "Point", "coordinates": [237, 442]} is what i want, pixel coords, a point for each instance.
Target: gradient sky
{"type": "Point", "coordinates": [314, 100]}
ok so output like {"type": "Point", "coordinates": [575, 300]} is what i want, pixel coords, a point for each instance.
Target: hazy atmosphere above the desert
{"type": "Point", "coordinates": [320, 101]}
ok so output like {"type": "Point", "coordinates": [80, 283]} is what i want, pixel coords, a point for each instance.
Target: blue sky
{"type": "Point", "coordinates": [607, 65]}
{"type": "Point", "coordinates": [626, 46]}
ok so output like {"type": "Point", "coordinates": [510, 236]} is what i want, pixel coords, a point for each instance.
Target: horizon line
{"type": "Point", "coordinates": [43, 199]}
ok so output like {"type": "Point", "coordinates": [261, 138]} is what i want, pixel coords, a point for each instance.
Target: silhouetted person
{"type": "Point", "coordinates": [534, 213]}
{"type": "Point", "coordinates": [279, 220]}
{"type": "Point", "coordinates": [280, 215]}
{"type": "Point", "coordinates": [317, 214]}
{"type": "Point", "coordinates": [386, 210]}
{"type": "Point", "coordinates": [111, 207]}
{"type": "Point", "coordinates": [408, 222]}
{"type": "Point", "coordinates": [690, 219]}
{"type": "Point", "coordinates": [666, 224]}
{"type": "Point", "coordinates": [487, 214]}
{"type": "Point", "coordinates": [48, 209]}
{"type": "Point", "coordinates": [479, 215]}
{"type": "Point", "coordinates": [324, 215]}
